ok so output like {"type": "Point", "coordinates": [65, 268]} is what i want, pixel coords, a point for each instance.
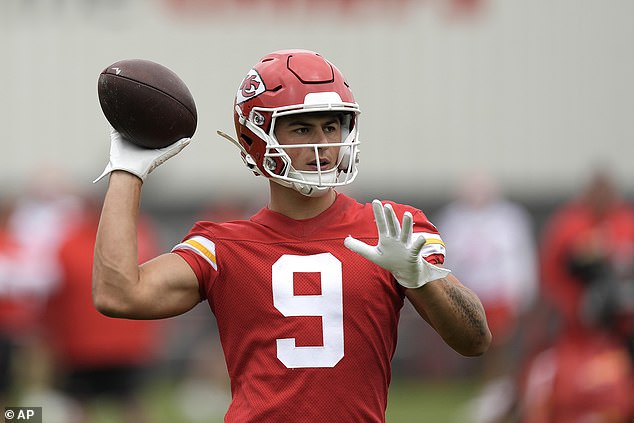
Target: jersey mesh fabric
{"type": "Point", "coordinates": [252, 273]}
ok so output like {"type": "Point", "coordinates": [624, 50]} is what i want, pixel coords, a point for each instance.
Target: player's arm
{"type": "Point", "coordinates": [163, 287]}
{"type": "Point", "coordinates": [454, 311]}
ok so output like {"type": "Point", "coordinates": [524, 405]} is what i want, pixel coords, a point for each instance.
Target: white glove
{"type": "Point", "coordinates": [396, 251]}
{"type": "Point", "coordinates": [136, 160]}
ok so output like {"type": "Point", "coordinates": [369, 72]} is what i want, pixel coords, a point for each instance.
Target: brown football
{"type": "Point", "coordinates": [147, 103]}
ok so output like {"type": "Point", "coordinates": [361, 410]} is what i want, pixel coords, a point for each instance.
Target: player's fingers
{"type": "Point", "coordinates": [360, 247]}
{"type": "Point", "coordinates": [178, 145]}
{"type": "Point", "coordinates": [406, 230]}
{"type": "Point", "coordinates": [379, 217]}
{"type": "Point", "coordinates": [418, 244]}
{"type": "Point", "coordinates": [393, 227]}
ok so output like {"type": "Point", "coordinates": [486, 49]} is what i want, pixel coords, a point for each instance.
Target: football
{"type": "Point", "coordinates": [147, 103]}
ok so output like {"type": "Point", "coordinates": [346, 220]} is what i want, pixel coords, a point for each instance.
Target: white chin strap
{"type": "Point", "coordinates": [310, 190]}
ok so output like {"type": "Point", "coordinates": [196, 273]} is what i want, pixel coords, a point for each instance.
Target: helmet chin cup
{"type": "Point", "coordinates": [304, 189]}
{"type": "Point", "coordinates": [316, 183]}
{"type": "Point", "coordinates": [310, 191]}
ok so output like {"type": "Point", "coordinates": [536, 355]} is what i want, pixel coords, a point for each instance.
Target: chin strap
{"type": "Point", "coordinates": [310, 190]}
{"type": "Point", "coordinates": [232, 140]}
{"type": "Point", "coordinates": [246, 157]}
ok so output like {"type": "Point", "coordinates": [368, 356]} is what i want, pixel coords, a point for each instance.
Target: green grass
{"type": "Point", "coordinates": [410, 401]}
{"type": "Point", "coordinates": [425, 401]}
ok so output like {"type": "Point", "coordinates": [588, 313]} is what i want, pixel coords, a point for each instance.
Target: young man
{"type": "Point", "coordinates": [306, 293]}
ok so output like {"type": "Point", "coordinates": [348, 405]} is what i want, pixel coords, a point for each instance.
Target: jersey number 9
{"type": "Point", "coordinates": [328, 305]}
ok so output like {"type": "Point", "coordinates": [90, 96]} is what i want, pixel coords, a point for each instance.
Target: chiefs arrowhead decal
{"type": "Point", "coordinates": [252, 86]}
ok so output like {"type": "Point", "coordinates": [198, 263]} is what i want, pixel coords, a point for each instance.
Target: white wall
{"type": "Point", "coordinates": [534, 91]}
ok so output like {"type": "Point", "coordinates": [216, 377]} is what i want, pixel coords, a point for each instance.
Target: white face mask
{"type": "Point", "coordinates": [316, 183]}
{"type": "Point", "coordinates": [276, 163]}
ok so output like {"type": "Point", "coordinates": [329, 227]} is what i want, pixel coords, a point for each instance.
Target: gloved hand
{"type": "Point", "coordinates": [397, 251]}
{"type": "Point", "coordinates": [136, 160]}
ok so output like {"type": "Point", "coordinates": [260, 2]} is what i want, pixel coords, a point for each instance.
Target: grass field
{"type": "Point", "coordinates": [433, 402]}
{"type": "Point", "coordinates": [409, 402]}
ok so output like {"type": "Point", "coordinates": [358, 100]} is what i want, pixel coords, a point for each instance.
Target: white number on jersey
{"type": "Point", "coordinates": [328, 305]}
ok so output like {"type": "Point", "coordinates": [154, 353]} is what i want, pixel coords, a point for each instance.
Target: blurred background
{"type": "Point", "coordinates": [507, 122]}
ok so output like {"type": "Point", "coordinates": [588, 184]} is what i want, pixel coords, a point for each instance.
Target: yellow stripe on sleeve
{"type": "Point", "coordinates": [202, 246]}
{"type": "Point", "coordinates": [202, 249]}
{"type": "Point", "coordinates": [434, 241]}
{"type": "Point", "coordinates": [433, 245]}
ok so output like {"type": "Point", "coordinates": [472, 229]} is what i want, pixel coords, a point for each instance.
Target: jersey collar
{"type": "Point", "coordinates": [319, 224]}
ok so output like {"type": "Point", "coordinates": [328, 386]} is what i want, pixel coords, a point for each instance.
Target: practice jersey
{"type": "Point", "coordinates": [308, 327]}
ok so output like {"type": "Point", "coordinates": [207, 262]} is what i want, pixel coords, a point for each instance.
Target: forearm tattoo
{"type": "Point", "coordinates": [467, 307]}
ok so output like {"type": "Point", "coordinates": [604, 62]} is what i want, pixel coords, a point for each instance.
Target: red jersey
{"type": "Point", "coordinates": [308, 327]}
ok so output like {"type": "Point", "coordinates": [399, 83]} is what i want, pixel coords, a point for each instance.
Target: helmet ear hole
{"type": "Point", "coordinates": [246, 139]}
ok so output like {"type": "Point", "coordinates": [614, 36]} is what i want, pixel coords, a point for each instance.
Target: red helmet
{"type": "Point", "coordinates": [289, 82]}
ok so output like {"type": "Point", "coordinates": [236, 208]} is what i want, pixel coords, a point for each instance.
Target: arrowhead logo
{"type": "Point", "coordinates": [117, 71]}
{"type": "Point", "coordinates": [252, 86]}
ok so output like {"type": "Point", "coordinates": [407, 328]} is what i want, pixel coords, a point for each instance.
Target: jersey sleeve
{"type": "Point", "coordinates": [434, 249]}
{"type": "Point", "coordinates": [199, 251]}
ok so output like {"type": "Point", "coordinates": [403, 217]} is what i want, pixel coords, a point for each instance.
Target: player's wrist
{"type": "Point", "coordinates": [411, 280]}
{"type": "Point", "coordinates": [136, 160]}
{"type": "Point", "coordinates": [126, 176]}
{"type": "Point", "coordinates": [410, 283]}
{"type": "Point", "coordinates": [124, 184]}
{"type": "Point", "coordinates": [425, 273]}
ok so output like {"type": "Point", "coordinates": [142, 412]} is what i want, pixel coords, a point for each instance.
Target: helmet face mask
{"type": "Point", "coordinates": [288, 83]}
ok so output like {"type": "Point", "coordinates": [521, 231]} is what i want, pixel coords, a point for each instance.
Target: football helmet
{"type": "Point", "coordinates": [291, 82]}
